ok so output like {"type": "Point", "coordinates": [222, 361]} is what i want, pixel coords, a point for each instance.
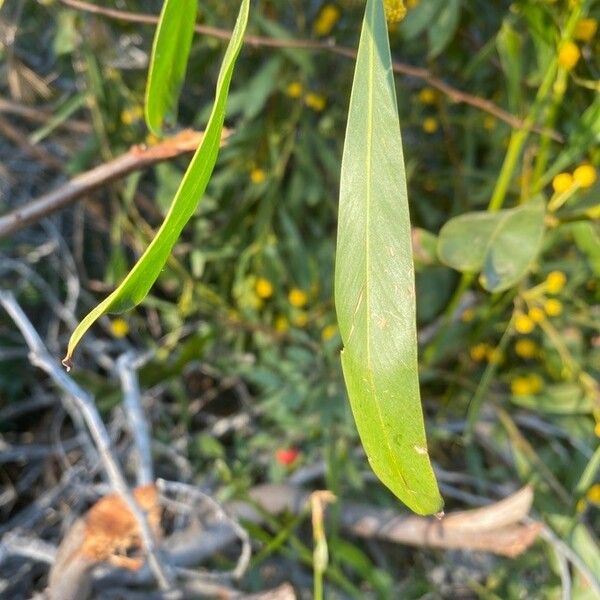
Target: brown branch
{"type": "Point", "coordinates": [453, 93]}
{"type": "Point", "coordinates": [138, 157]}
{"type": "Point", "coordinates": [39, 115]}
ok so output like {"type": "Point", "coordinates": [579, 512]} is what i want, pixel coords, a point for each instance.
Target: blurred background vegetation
{"type": "Point", "coordinates": [242, 320]}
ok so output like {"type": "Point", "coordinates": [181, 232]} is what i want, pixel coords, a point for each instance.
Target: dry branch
{"type": "Point", "coordinates": [453, 93]}
{"type": "Point", "coordinates": [137, 158]}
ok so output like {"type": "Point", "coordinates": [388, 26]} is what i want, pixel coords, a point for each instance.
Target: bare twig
{"type": "Point", "coordinates": [453, 93]}
{"type": "Point", "coordinates": [38, 115]}
{"type": "Point", "coordinates": [40, 357]}
{"type": "Point", "coordinates": [136, 422]}
{"type": "Point", "coordinates": [138, 157]}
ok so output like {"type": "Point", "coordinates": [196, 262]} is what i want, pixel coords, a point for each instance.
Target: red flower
{"type": "Point", "coordinates": [286, 456]}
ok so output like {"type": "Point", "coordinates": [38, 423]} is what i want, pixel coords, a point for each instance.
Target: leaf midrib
{"type": "Point", "coordinates": [369, 178]}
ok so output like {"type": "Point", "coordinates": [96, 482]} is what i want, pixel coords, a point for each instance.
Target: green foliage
{"type": "Point", "coordinates": [142, 276]}
{"type": "Point", "coordinates": [502, 245]}
{"type": "Point", "coordinates": [374, 280]}
{"type": "Point", "coordinates": [168, 62]}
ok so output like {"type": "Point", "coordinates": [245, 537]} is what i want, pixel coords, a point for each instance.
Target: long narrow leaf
{"type": "Point", "coordinates": [168, 62]}
{"type": "Point", "coordinates": [374, 280]}
{"type": "Point", "coordinates": [140, 279]}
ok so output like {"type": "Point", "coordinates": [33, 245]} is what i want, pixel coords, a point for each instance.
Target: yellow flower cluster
{"type": "Point", "coordinates": [430, 125]}
{"type": "Point", "coordinates": [483, 351]}
{"type": "Point", "coordinates": [297, 297]}
{"type": "Point", "coordinates": [395, 11]}
{"type": "Point", "coordinates": [328, 17]}
{"type": "Point", "coordinates": [526, 348]}
{"type": "Point", "coordinates": [527, 385]}
{"type": "Point", "coordinates": [328, 332]}
{"type": "Point", "coordinates": [593, 494]}
{"type": "Point", "coordinates": [584, 176]}
{"type": "Point", "coordinates": [568, 55]}
{"type": "Point", "coordinates": [315, 101]}
{"type": "Point", "coordinates": [555, 282]}
{"type": "Point", "coordinates": [257, 175]}
{"type": "Point", "coordinates": [131, 115]}
{"type": "Point", "coordinates": [585, 30]}
{"type": "Point", "coordinates": [119, 328]}
{"type": "Point", "coordinates": [263, 288]}
{"type": "Point", "coordinates": [524, 323]}
{"type": "Point", "coordinates": [295, 89]}
{"type": "Point", "coordinates": [428, 96]}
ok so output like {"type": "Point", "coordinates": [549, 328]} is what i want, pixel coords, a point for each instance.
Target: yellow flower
{"type": "Point", "coordinates": [427, 96]}
{"type": "Point", "coordinates": [263, 288]}
{"type": "Point", "coordinates": [479, 352]}
{"type": "Point", "coordinates": [152, 140]}
{"type": "Point", "coordinates": [300, 319]}
{"type": "Point", "coordinates": [580, 506]}
{"type": "Point", "coordinates": [585, 30]}
{"type": "Point", "coordinates": [568, 55]}
{"type": "Point", "coordinates": [295, 89]}
{"type": "Point", "coordinates": [526, 348]}
{"type": "Point", "coordinates": [297, 297]}
{"type": "Point", "coordinates": [562, 182]}
{"type": "Point", "coordinates": [495, 356]}
{"type": "Point", "coordinates": [593, 494]}
{"type": "Point", "coordinates": [430, 125]}
{"type": "Point", "coordinates": [257, 175]}
{"type": "Point", "coordinates": [315, 101]}
{"type": "Point", "coordinates": [489, 122]}
{"type": "Point", "coordinates": [555, 282]}
{"type": "Point", "coordinates": [394, 11]}
{"type": "Point", "coordinates": [328, 332]}
{"type": "Point", "coordinates": [553, 307]}
{"type": "Point", "coordinates": [527, 385]}
{"type": "Point", "coordinates": [597, 429]}
{"type": "Point", "coordinates": [468, 315]}
{"type": "Point", "coordinates": [585, 176]}
{"type": "Point", "coordinates": [130, 115]}
{"type": "Point", "coordinates": [281, 324]}
{"type": "Point", "coordinates": [119, 328]}
{"type": "Point", "coordinates": [328, 17]}
{"type": "Point", "coordinates": [536, 314]}
{"type": "Point", "coordinates": [523, 324]}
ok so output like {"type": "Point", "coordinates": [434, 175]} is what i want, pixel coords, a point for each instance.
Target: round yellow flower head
{"type": "Point", "coordinates": [295, 89]}
{"type": "Point", "coordinates": [315, 101]}
{"type": "Point", "coordinates": [593, 494]}
{"type": "Point", "coordinates": [523, 324]}
{"type": "Point", "coordinates": [585, 30]}
{"type": "Point", "coordinates": [281, 324]}
{"type": "Point", "coordinates": [580, 506]}
{"type": "Point", "coordinates": [495, 356]}
{"type": "Point", "coordinates": [479, 352]}
{"type": "Point", "coordinates": [555, 282]}
{"type": "Point", "coordinates": [568, 55]}
{"type": "Point", "coordinates": [527, 385]}
{"type": "Point", "coordinates": [119, 328]}
{"type": "Point", "coordinates": [395, 11]}
{"type": "Point", "coordinates": [597, 429]}
{"type": "Point", "coordinates": [585, 176]}
{"type": "Point", "coordinates": [263, 288]}
{"type": "Point", "coordinates": [553, 307]}
{"type": "Point", "coordinates": [430, 125]}
{"type": "Point", "coordinates": [257, 175]}
{"type": "Point", "coordinates": [526, 348]}
{"type": "Point", "coordinates": [328, 332]}
{"type": "Point", "coordinates": [297, 297]}
{"type": "Point", "coordinates": [328, 17]}
{"type": "Point", "coordinates": [562, 182]}
{"type": "Point", "coordinates": [428, 96]}
{"type": "Point", "coordinates": [536, 314]}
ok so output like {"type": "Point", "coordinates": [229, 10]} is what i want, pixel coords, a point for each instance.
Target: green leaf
{"type": "Point", "coordinates": [374, 280]}
{"type": "Point", "coordinates": [502, 245]}
{"type": "Point", "coordinates": [587, 238]}
{"type": "Point", "coordinates": [168, 62]}
{"type": "Point", "coordinates": [442, 30]}
{"type": "Point", "coordinates": [140, 279]}
{"type": "Point", "coordinates": [510, 51]}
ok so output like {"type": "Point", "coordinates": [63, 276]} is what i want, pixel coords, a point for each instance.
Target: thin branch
{"type": "Point", "coordinates": [137, 158]}
{"type": "Point", "coordinates": [136, 421]}
{"type": "Point", "coordinates": [41, 358]}
{"type": "Point", "coordinates": [453, 93]}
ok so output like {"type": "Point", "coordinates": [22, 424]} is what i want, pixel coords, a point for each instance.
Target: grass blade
{"type": "Point", "coordinates": [168, 62]}
{"type": "Point", "coordinates": [374, 280]}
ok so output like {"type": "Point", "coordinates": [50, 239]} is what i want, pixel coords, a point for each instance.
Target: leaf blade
{"type": "Point", "coordinates": [136, 285]}
{"type": "Point", "coordinates": [374, 280]}
{"type": "Point", "coordinates": [168, 61]}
